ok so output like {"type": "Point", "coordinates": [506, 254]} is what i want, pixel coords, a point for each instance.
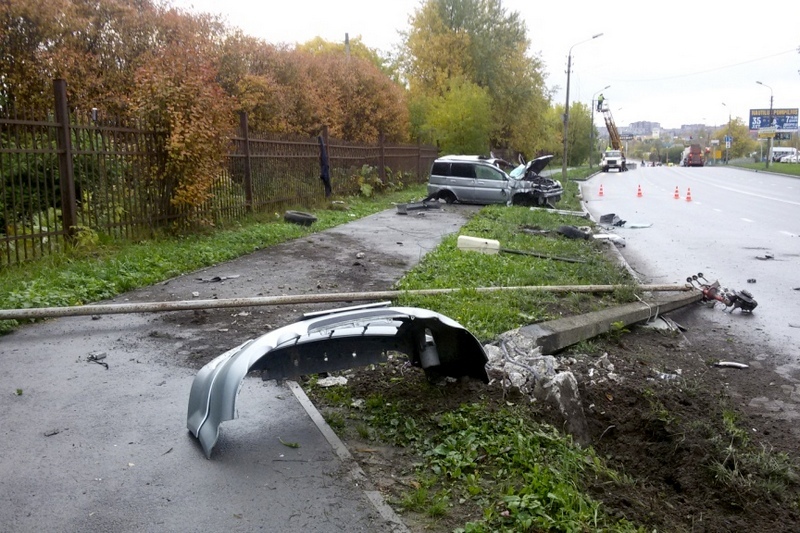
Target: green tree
{"type": "Point", "coordinates": [480, 42]}
{"type": "Point", "coordinates": [743, 143]}
{"type": "Point", "coordinates": [578, 143]}
{"type": "Point", "coordinates": [461, 119]}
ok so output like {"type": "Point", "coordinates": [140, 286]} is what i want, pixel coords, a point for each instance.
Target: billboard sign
{"type": "Point", "coordinates": [783, 120]}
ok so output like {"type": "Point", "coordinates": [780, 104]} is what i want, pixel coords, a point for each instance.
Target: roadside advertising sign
{"type": "Point", "coordinates": [783, 120]}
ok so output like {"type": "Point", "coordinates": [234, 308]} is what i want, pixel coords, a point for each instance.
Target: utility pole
{"type": "Point", "coordinates": [771, 124]}
{"type": "Point", "coordinates": [566, 106]}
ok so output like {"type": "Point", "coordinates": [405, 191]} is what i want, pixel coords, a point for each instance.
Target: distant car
{"type": "Point", "coordinates": [475, 179]}
{"type": "Point", "coordinates": [789, 159]}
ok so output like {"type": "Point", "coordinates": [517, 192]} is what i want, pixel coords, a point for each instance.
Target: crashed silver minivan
{"type": "Point", "coordinates": [474, 179]}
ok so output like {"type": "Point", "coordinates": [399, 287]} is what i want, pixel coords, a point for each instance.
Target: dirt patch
{"type": "Point", "coordinates": [699, 448]}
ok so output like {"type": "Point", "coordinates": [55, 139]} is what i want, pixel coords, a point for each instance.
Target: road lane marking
{"type": "Point", "coordinates": [747, 220]}
{"type": "Point", "coordinates": [757, 195]}
{"type": "Point", "coordinates": [788, 233]}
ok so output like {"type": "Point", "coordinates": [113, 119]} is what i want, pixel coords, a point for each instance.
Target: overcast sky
{"type": "Point", "coordinates": [673, 62]}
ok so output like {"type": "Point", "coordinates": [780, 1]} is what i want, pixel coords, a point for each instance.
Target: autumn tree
{"type": "Point", "coordinates": [176, 91]}
{"type": "Point", "coordinates": [299, 91]}
{"type": "Point", "coordinates": [29, 33]}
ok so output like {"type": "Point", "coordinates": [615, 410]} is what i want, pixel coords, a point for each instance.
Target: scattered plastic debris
{"type": "Point", "coordinates": [332, 381]}
{"type": "Point", "coordinates": [730, 364]}
{"type": "Point", "coordinates": [217, 279]}
{"type": "Point", "coordinates": [403, 209]}
{"type": "Point", "coordinates": [573, 232]}
{"type": "Point", "coordinates": [751, 280]}
{"type": "Point", "coordinates": [612, 219]}
{"type": "Point", "coordinates": [610, 237]}
{"type": "Point", "coordinates": [765, 257]}
{"type": "Point", "coordinates": [97, 357]}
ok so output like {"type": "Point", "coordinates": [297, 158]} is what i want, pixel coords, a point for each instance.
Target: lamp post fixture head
{"type": "Point", "coordinates": [765, 85]}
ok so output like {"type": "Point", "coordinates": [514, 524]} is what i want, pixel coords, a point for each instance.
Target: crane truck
{"type": "Point", "coordinates": [613, 157]}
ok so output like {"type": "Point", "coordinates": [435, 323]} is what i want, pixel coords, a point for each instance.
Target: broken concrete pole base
{"type": "Point", "coordinates": [561, 392]}
{"type": "Point", "coordinates": [518, 361]}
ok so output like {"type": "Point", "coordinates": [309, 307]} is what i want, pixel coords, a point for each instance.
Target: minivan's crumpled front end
{"type": "Point", "coordinates": [328, 342]}
{"type": "Point", "coordinates": [531, 187]}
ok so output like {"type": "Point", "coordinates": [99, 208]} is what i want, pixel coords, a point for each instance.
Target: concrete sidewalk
{"type": "Point", "coordinates": [89, 448]}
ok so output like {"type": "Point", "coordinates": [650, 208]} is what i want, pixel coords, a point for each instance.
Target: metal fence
{"type": "Point", "coordinates": [70, 176]}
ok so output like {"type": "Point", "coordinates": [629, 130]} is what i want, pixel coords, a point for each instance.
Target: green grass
{"type": "Point", "coordinates": [525, 476]}
{"type": "Point", "coordinates": [750, 472]}
{"type": "Point", "coordinates": [489, 314]}
{"type": "Point", "coordinates": [792, 169]}
{"type": "Point", "coordinates": [91, 274]}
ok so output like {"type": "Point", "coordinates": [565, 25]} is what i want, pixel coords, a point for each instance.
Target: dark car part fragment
{"type": "Point", "coordinates": [327, 342]}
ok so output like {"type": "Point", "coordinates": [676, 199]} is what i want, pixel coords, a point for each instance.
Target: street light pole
{"type": "Point", "coordinates": [566, 105]}
{"type": "Point", "coordinates": [772, 137]}
{"type": "Point", "coordinates": [591, 129]}
{"type": "Point", "coordinates": [728, 134]}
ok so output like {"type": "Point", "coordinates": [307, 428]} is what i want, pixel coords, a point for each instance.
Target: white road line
{"type": "Point", "coordinates": [757, 195]}
{"type": "Point", "coordinates": [788, 233]}
{"type": "Point", "coordinates": [747, 220]}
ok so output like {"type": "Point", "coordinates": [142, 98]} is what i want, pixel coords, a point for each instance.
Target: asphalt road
{"type": "Point", "coordinates": [95, 449]}
{"type": "Point", "coordinates": [734, 221]}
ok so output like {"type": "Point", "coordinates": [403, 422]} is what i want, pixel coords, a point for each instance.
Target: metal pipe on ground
{"type": "Point", "coordinates": [192, 305]}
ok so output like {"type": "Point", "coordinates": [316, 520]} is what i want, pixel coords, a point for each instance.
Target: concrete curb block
{"type": "Point", "coordinates": [356, 473]}
{"type": "Point", "coordinates": [557, 334]}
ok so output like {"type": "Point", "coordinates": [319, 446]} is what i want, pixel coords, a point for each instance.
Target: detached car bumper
{"type": "Point", "coordinates": [328, 342]}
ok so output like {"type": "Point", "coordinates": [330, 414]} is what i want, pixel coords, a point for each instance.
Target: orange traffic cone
{"type": "Point", "coordinates": [601, 190]}
{"type": "Point", "coordinates": [688, 194]}
{"type": "Point", "coordinates": [677, 195]}
{"type": "Point", "coordinates": [639, 192]}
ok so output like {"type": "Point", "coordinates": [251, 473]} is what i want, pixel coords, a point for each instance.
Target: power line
{"type": "Point", "coordinates": [715, 69]}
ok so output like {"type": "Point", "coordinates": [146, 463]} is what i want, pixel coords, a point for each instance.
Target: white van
{"type": "Point", "coordinates": [779, 152]}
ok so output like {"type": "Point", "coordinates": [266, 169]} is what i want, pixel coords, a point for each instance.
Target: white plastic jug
{"type": "Point", "coordinates": [476, 244]}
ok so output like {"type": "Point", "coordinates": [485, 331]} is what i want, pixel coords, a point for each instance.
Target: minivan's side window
{"type": "Point", "coordinates": [488, 173]}
{"type": "Point", "coordinates": [463, 170]}
{"type": "Point", "coordinates": [440, 169]}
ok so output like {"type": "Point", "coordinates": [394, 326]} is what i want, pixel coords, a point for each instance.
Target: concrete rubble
{"type": "Point", "coordinates": [516, 361]}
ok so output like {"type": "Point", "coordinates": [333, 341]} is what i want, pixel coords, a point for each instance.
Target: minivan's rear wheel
{"type": "Point", "coordinates": [449, 197]}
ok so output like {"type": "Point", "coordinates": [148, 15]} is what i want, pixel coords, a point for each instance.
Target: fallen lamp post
{"type": "Point", "coordinates": [223, 303]}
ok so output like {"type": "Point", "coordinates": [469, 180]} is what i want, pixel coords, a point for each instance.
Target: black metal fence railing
{"type": "Point", "coordinates": [65, 174]}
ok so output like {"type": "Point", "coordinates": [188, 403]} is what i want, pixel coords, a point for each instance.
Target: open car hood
{"type": "Point", "coordinates": [327, 342]}
{"type": "Point", "coordinates": [535, 166]}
